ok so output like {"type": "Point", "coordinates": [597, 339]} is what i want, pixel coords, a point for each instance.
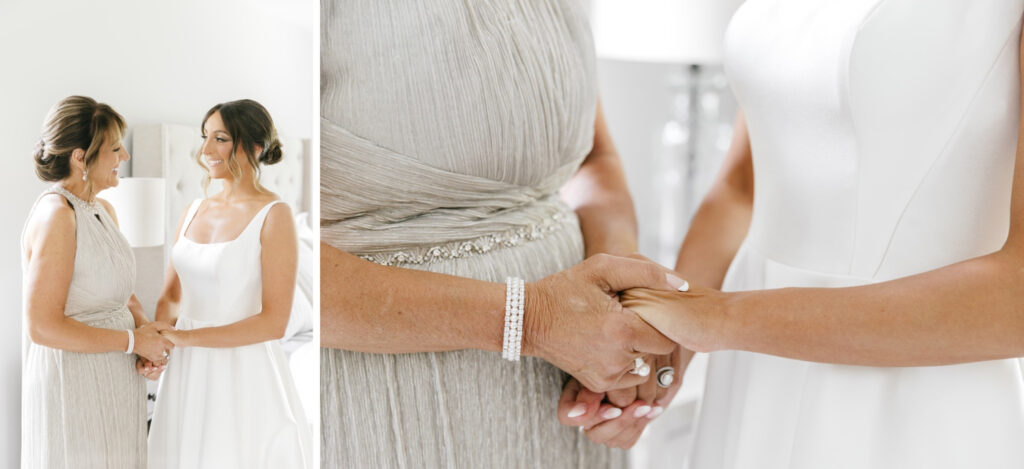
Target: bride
{"type": "Point", "coordinates": [227, 399]}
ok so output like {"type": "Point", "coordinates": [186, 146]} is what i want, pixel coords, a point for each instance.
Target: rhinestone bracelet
{"type": "Point", "coordinates": [512, 341]}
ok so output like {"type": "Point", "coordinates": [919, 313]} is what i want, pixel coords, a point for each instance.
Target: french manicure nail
{"type": "Point", "coordinates": [677, 283]}
{"type": "Point", "coordinates": [641, 411]}
{"type": "Point", "coordinates": [577, 410]}
{"type": "Point", "coordinates": [612, 413]}
{"type": "Point", "coordinates": [656, 411]}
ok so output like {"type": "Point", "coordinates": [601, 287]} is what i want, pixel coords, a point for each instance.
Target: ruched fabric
{"type": "Point", "coordinates": [447, 129]}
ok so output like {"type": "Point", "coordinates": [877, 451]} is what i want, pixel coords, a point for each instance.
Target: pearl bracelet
{"type": "Point", "coordinates": [512, 341]}
{"type": "Point", "coordinates": [131, 341]}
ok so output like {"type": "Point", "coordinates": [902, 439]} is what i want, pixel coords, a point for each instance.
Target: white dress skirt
{"type": "Point", "coordinates": [883, 136]}
{"type": "Point", "coordinates": [226, 407]}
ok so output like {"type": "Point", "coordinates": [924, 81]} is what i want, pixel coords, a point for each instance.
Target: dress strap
{"type": "Point", "coordinates": [261, 216]}
{"type": "Point", "coordinates": [192, 209]}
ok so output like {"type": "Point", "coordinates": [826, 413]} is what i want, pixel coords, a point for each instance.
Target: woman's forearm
{"type": "Point", "coordinates": [138, 314]}
{"type": "Point", "coordinates": [371, 308]}
{"type": "Point", "coordinates": [723, 218]}
{"type": "Point", "coordinates": [599, 196]}
{"type": "Point", "coordinates": [252, 330]}
{"type": "Point", "coordinates": [166, 311]}
{"type": "Point", "coordinates": [68, 334]}
{"type": "Point", "coordinates": [970, 311]}
{"type": "Point", "coordinates": [714, 236]}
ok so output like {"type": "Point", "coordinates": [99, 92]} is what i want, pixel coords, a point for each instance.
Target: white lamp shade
{"type": "Point", "coordinates": [668, 31]}
{"type": "Point", "coordinates": [139, 204]}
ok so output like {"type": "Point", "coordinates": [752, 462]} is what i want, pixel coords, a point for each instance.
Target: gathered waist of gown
{"type": "Point", "coordinates": [515, 229]}
{"type": "Point", "coordinates": [102, 316]}
{"type": "Point", "coordinates": [392, 209]}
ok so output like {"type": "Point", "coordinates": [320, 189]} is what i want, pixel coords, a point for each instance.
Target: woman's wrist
{"type": "Point", "coordinates": [534, 325]}
{"type": "Point", "coordinates": [186, 338]}
{"type": "Point", "coordinates": [489, 333]}
{"type": "Point", "coordinates": [727, 333]}
{"type": "Point", "coordinates": [180, 338]}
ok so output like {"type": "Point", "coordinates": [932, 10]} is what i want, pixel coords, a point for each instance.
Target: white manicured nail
{"type": "Point", "coordinates": [656, 411]}
{"type": "Point", "coordinates": [612, 413]}
{"type": "Point", "coordinates": [577, 410]}
{"type": "Point", "coordinates": [641, 411]}
{"type": "Point", "coordinates": [677, 283]}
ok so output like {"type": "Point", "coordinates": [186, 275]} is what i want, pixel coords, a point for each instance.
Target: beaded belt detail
{"type": "Point", "coordinates": [464, 248]}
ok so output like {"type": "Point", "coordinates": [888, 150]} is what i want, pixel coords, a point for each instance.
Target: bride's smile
{"type": "Point", "coordinates": [218, 148]}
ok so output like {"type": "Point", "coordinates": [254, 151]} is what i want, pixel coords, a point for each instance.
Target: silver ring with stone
{"type": "Point", "coordinates": [665, 376]}
{"type": "Point", "coordinates": [640, 367]}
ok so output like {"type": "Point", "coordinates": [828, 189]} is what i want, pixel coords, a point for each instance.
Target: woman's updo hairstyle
{"type": "Point", "coordinates": [250, 126]}
{"type": "Point", "coordinates": [74, 122]}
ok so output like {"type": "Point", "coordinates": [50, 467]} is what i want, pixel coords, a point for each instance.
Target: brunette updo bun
{"type": "Point", "coordinates": [271, 153]}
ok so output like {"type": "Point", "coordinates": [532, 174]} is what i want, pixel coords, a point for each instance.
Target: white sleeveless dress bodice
{"type": "Point", "coordinates": [231, 407]}
{"type": "Point", "coordinates": [883, 136]}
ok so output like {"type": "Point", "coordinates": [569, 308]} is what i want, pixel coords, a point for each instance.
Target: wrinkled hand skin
{"type": "Point", "coordinates": [573, 320]}
{"type": "Point", "coordinates": [693, 319]}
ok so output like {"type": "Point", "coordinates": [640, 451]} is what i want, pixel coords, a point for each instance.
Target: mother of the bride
{"type": "Point", "coordinates": [83, 404]}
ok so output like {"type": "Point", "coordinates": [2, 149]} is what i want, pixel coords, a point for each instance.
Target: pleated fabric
{"type": "Point", "coordinates": [87, 410]}
{"type": "Point", "coordinates": [447, 129]}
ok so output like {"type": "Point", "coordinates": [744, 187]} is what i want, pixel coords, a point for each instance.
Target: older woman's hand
{"type": "Point", "coordinates": [150, 344]}
{"type": "Point", "coordinates": [574, 320]}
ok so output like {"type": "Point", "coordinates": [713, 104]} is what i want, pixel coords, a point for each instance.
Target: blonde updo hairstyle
{"type": "Point", "coordinates": [76, 122]}
{"type": "Point", "coordinates": [250, 126]}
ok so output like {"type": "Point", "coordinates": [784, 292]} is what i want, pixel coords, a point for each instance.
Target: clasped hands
{"type": "Point", "coordinates": [153, 344]}
{"type": "Point", "coordinates": [593, 321]}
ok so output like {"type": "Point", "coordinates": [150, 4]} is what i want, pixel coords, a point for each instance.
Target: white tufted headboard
{"type": "Point", "coordinates": [168, 151]}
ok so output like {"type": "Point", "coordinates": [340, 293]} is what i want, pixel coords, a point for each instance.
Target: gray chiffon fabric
{"type": "Point", "coordinates": [447, 129]}
{"type": "Point", "coordinates": [87, 410]}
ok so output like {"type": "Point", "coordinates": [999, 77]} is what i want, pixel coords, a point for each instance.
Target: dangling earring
{"type": "Point", "coordinates": [85, 174]}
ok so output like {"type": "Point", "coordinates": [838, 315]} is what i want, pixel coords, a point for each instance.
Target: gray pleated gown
{"type": "Point", "coordinates": [87, 410]}
{"type": "Point", "coordinates": [447, 129]}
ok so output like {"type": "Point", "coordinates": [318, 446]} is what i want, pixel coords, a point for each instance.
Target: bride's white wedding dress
{"type": "Point", "coordinates": [226, 407]}
{"type": "Point", "coordinates": [883, 135]}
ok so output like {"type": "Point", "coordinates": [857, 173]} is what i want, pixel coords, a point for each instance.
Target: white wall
{"type": "Point", "coordinates": [153, 62]}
